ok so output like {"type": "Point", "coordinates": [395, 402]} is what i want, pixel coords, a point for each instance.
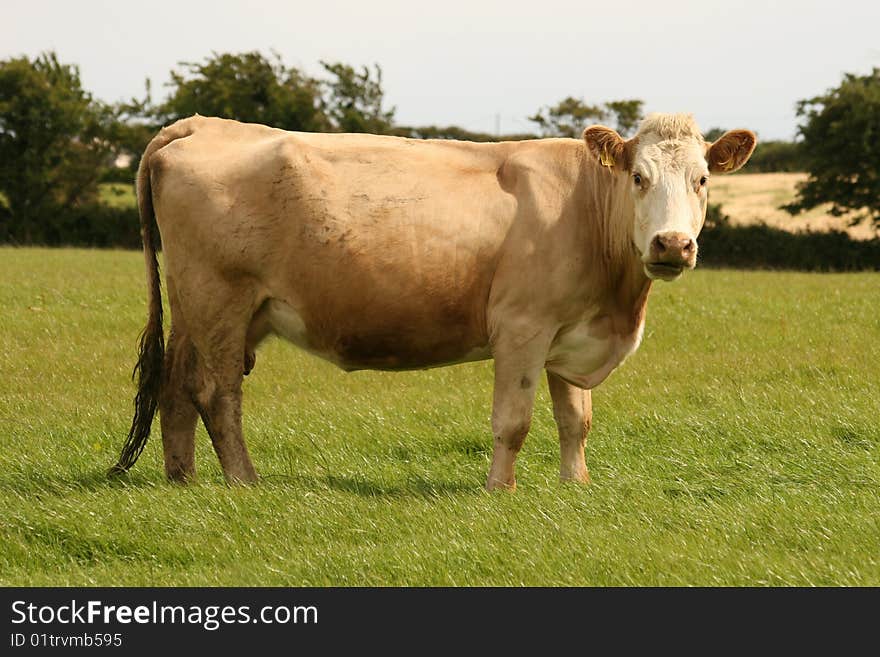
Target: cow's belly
{"type": "Point", "coordinates": [386, 348]}
{"type": "Point", "coordinates": [586, 354]}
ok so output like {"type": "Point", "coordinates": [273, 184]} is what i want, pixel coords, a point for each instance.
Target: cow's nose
{"type": "Point", "coordinates": [673, 248]}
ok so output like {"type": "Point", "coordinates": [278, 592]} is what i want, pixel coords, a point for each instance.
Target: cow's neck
{"type": "Point", "coordinates": [614, 259]}
{"type": "Point", "coordinates": [630, 299]}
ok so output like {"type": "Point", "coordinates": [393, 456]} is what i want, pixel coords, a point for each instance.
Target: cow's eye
{"type": "Point", "coordinates": [637, 179]}
{"type": "Point", "coordinates": [703, 181]}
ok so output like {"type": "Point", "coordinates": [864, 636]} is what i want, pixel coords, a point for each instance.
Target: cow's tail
{"type": "Point", "coordinates": [151, 349]}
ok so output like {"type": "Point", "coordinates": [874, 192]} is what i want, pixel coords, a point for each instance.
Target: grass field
{"type": "Point", "coordinates": [740, 445]}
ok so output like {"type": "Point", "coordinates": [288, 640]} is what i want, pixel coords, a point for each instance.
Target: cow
{"type": "Point", "coordinates": [386, 253]}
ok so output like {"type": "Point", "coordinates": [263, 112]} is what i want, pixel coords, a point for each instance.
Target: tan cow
{"type": "Point", "coordinates": [388, 253]}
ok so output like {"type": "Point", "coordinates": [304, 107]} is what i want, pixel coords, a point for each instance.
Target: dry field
{"type": "Point", "coordinates": [754, 197]}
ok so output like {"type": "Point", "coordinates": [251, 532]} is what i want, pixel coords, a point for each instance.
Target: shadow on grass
{"type": "Point", "coordinates": [470, 446]}
{"type": "Point", "coordinates": [414, 486]}
{"type": "Point", "coordinates": [36, 481]}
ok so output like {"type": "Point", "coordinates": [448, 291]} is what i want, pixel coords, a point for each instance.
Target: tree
{"type": "Point", "coordinates": [627, 115]}
{"type": "Point", "coordinates": [454, 132]}
{"type": "Point", "coordinates": [247, 87]}
{"type": "Point", "coordinates": [254, 88]}
{"type": "Point", "coordinates": [134, 125]}
{"type": "Point", "coordinates": [570, 116]}
{"type": "Point", "coordinates": [54, 143]}
{"type": "Point", "coordinates": [841, 148]}
{"type": "Point", "coordinates": [354, 100]}
{"type": "Point", "coordinates": [567, 118]}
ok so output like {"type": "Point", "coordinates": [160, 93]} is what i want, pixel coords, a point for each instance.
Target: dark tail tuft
{"type": "Point", "coordinates": [151, 350]}
{"type": "Point", "coordinates": [148, 372]}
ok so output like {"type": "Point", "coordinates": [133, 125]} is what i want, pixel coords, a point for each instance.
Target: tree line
{"type": "Point", "coordinates": [58, 142]}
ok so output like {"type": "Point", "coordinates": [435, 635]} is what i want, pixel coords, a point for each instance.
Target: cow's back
{"type": "Point", "coordinates": [384, 248]}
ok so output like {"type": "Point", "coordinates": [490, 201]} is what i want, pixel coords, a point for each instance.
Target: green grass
{"type": "Point", "coordinates": [740, 445]}
{"type": "Point", "coordinates": [117, 195]}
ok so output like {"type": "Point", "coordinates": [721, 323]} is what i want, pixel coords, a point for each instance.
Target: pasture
{"type": "Point", "coordinates": [739, 446]}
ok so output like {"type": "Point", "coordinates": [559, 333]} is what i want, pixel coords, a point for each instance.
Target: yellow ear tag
{"type": "Point", "coordinates": [605, 159]}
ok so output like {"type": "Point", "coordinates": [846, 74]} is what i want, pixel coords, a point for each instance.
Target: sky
{"type": "Point", "coordinates": [480, 64]}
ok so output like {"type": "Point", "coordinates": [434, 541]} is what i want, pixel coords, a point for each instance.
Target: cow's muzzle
{"type": "Point", "coordinates": [669, 255]}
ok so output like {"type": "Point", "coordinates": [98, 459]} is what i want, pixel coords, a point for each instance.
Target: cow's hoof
{"type": "Point", "coordinates": [495, 484]}
{"type": "Point", "coordinates": [242, 480]}
{"type": "Point", "coordinates": [180, 476]}
{"type": "Point", "coordinates": [575, 477]}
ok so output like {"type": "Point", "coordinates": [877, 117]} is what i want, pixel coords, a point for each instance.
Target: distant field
{"type": "Point", "coordinates": [755, 197]}
{"type": "Point", "coordinates": [739, 446]}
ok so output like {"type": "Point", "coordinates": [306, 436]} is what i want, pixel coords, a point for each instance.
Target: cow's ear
{"type": "Point", "coordinates": [609, 148]}
{"type": "Point", "coordinates": [731, 151]}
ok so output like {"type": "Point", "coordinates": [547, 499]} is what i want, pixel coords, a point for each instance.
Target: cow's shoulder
{"type": "Point", "coordinates": [542, 173]}
{"type": "Point", "coordinates": [547, 157]}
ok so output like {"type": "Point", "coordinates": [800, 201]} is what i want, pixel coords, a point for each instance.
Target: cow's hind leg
{"type": "Point", "coordinates": [177, 413]}
{"type": "Point", "coordinates": [219, 403]}
{"type": "Point", "coordinates": [218, 323]}
{"type": "Point", "coordinates": [573, 411]}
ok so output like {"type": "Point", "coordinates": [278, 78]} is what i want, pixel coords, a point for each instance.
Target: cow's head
{"type": "Point", "coordinates": [668, 165]}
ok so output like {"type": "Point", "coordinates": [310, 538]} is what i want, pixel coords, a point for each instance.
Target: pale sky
{"type": "Point", "coordinates": [732, 64]}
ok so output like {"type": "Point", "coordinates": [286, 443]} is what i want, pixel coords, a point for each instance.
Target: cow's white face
{"type": "Point", "coordinates": [669, 165]}
{"type": "Point", "coordinates": [668, 187]}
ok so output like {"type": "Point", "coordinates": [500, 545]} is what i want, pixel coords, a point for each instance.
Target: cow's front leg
{"type": "Point", "coordinates": [573, 411]}
{"type": "Point", "coordinates": [517, 372]}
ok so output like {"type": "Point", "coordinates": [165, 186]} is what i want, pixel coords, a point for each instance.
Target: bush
{"type": "Point", "coordinates": [772, 156]}
{"type": "Point", "coordinates": [94, 225]}
{"type": "Point", "coordinates": [760, 246]}
{"type": "Point", "coordinates": [102, 226]}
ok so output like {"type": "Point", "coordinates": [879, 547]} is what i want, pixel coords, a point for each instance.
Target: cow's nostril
{"type": "Point", "coordinates": [688, 246]}
{"type": "Point", "coordinates": [659, 244]}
